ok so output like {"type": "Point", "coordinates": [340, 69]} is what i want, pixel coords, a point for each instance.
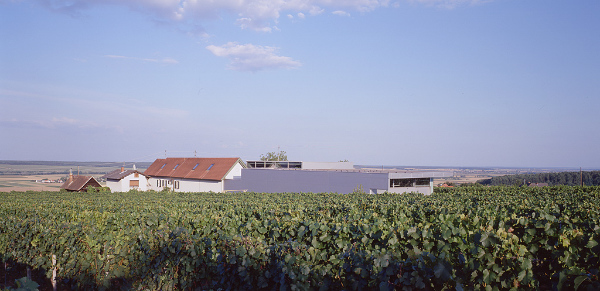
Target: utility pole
{"type": "Point", "coordinates": [581, 176]}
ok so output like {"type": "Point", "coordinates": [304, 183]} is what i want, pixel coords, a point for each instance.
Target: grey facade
{"type": "Point", "coordinates": [335, 181]}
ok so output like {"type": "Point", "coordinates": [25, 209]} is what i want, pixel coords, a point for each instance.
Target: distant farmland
{"type": "Point", "coordinates": [22, 175]}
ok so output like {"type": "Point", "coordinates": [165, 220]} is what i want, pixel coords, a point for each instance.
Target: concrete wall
{"type": "Point", "coordinates": [420, 189]}
{"type": "Point", "coordinates": [425, 189]}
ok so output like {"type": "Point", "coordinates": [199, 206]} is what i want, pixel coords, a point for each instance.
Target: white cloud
{"type": "Point", "coordinates": [340, 13]}
{"type": "Point", "coordinates": [249, 57]}
{"type": "Point", "coordinates": [301, 15]}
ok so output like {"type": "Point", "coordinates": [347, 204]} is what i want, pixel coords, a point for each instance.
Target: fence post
{"type": "Point", "coordinates": [54, 272]}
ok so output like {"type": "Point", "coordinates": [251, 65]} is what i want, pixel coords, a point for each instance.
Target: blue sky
{"type": "Point", "coordinates": [512, 83]}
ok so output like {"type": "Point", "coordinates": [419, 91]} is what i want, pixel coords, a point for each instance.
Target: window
{"type": "Point", "coordinates": [134, 183]}
{"type": "Point", "coordinates": [136, 175]}
{"type": "Point", "coordinates": [211, 165]}
{"type": "Point", "coordinates": [163, 166]}
{"type": "Point", "coordinates": [176, 184]}
{"type": "Point", "coordinates": [422, 182]}
{"type": "Point", "coordinates": [395, 183]}
{"type": "Point", "coordinates": [413, 182]}
{"type": "Point", "coordinates": [175, 166]}
{"type": "Point", "coordinates": [196, 166]}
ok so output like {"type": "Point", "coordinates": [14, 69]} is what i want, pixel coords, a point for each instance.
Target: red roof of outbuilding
{"type": "Point", "coordinates": [77, 183]}
{"type": "Point", "coordinates": [192, 168]}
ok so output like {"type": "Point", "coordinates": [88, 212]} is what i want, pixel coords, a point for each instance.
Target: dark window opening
{"type": "Point", "coordinates": [411, 182]}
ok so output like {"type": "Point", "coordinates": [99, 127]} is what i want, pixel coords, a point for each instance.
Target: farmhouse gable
{"type": "Point", "coordinates": [122, 180]}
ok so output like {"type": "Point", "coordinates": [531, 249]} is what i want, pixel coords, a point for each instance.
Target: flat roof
{"type": "Point", "coordinates": [393, 174]}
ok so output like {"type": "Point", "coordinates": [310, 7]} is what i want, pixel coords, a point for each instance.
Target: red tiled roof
{"type": "Point", "coordinates": [192, 168]}
{"type": "Point", "coordinates": [79, 182]}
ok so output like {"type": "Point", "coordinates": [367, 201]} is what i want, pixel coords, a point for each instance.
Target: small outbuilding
{"type": "Point", "coordinates": [77, 183]}
{"type": "Point", "coordinates": [121, 180]}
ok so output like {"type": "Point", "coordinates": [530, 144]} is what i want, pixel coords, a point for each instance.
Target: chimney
{"type": "Point", "coordinates": [134, 167]}
{"type": "Point", "coordinates": [71, 174]}
{"type": "Point", "coordinates": [122, 169]}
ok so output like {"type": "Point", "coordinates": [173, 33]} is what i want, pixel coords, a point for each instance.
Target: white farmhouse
{"type": "Point", "coordinates": [122, 180]}
{"type": "Point", "coordinates": [193, 174]}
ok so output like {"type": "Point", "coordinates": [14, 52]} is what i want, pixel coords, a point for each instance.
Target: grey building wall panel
{"type": "Point", "coordinates": [279, 181]}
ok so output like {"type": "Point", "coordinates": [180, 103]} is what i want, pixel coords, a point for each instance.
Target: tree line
{"type": "Point", "coordinates": [589, 178]}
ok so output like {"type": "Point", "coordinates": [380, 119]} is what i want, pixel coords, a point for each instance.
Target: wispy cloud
{"type": "Point", "coordinates": [249, 57]}
{"type": "Point", "coordinates": [62, 123]}
{"type": "Point", "coordinates": [162, 61]}
{"type": "Point", "coordinates": [98, 102]}
{"type": "Point", "coordinates": [256, 15]}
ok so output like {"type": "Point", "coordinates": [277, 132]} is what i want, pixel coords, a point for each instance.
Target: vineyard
{"type": "Point", "coordinates": [477, 238]}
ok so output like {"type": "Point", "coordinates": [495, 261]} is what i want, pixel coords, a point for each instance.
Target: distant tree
{"type": "Point", "coordinates": [591, 178]}
{"type": "Point", "coordinates": [343, 161]}
{"type": "Point", "coordinates": [274, 156]}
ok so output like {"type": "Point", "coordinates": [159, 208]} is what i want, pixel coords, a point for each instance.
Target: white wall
{"type": "Point", "coordinates": [114, 185]}
{"type": "Point", "coordinates": [123, 184]}
{"type": "Point", "coordinates": [235, 172]}
{"type": "Point", "coordinates": [185, 185]}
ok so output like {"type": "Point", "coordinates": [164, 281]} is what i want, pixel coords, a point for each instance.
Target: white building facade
{"type": "Point", "coordinates": [124, 180]}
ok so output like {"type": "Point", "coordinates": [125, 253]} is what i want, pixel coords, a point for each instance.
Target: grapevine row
{"type": "Point", "coordinates": [492, 238]}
